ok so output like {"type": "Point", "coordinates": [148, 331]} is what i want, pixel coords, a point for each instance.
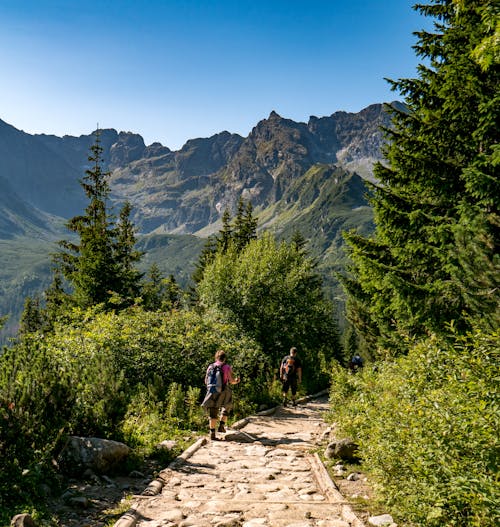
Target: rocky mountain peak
{"type": "Point", "coordinates": [156, 150]}
{"type": "Point", "coordinates": [177, 191]}
{"type": "Point", "coordinates": [127, 148]}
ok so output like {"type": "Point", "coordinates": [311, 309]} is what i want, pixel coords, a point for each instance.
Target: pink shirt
{"type": "Point", "coordinates": [226, 370]}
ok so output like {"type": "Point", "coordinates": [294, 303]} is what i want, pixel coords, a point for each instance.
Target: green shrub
{"type": "Point", "coordinates": [427, 425]}
{"type": "Point", "coordinates": [135, 376]}
{"type": "Point", "coordinates": [144, 424]}
{"type": "Point", "coordinates": [35, 407]}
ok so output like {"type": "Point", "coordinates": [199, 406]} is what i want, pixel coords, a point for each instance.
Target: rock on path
{"type": "Point", "coordinates": [263, 475]}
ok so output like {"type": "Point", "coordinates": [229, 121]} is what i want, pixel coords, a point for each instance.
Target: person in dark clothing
{"type": "Point", "coordinates": [290, 375]}
{"type": "Point", "coordinates": [356, 363]}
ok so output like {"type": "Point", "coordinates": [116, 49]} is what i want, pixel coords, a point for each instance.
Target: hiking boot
{"type": "Point", "coordinates": [294, 403]}
{"type": "Point", "coordinates": [212, 435]}
{"type": "Point", "coordinates": [221, 428]}
{"type": "Point", "coordinates": [284, 402]}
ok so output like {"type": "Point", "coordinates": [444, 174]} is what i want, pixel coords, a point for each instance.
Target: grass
{"type": "Point", "coordinates": [113, 514]}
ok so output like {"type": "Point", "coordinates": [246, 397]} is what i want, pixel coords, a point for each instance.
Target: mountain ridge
{"type": "Point", "coordinates": [186, 191]}
{"type": "Point", "coordinates": [299, 176]}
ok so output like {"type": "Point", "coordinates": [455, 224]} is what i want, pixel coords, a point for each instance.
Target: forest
{"type": "Point", "coordinates": [112, 352]}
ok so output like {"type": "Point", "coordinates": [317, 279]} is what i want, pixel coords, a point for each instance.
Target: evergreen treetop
{"type": "Point", "coordinates": [99, 265]}
{"type": "Point", "coordinates": [442, 172]}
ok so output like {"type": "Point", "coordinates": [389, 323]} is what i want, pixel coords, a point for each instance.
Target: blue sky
{"type": "Point", "coordinates": [175, 70]}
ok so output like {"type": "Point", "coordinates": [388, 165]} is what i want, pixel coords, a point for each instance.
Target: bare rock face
{"type": "Point", "coordinates": [100, 455]}
{"type": "Point", "coordinates": [128, 148]}
{"type": "Point", "coordinates": [178, 190]}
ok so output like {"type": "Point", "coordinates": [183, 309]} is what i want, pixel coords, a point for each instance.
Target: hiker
{"type": "Point", "coordinates": [356, 363]}
{"type": "Point", "coordinates": [290, 375]}
{"type": "Point", "coordinates": [219, 397]}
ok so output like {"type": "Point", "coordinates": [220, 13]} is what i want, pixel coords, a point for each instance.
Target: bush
{"type": "Point", "coordinates": [135, 375]}
{"type": "Point", "coordinates": [35, 402]}
{"type": "Point", "coordinates": [427, 425]}
{"type": "Point", "coordinates": [273, 293]}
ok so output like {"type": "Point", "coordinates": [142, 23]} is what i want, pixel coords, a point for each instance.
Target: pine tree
{"type": "Point", "coordinates": [56, 301]}
{"type": "Point", "coordinates": [441, 172]}
{"type": "Point", "coordinates": [99, 265]}
{"type": "Point", "coordinates": [160, 293]}
{"type": "Point", "coordinates": [31, 317]}
{"type": "Point", "coordinates": [126, 256]}
{"type": "Point", "coordinates": [244, 225]}
{"type": "Point", "coordinates": [225, 236]}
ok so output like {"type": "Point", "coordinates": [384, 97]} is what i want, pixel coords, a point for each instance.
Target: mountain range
{"type": "Point", "coordinates": [298, 176]}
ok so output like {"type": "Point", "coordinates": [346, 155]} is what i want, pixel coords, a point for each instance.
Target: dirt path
{"type": "Point", "coordinates": [262, 473]}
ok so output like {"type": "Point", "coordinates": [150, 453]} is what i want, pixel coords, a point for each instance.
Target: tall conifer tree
{"type": "Point", "coordinates": [126, 255]}
{"type": "Point", "coordinates": [31, 318]}
{"type": "Point", "coordinates": [99, 265]}
{"type": "Point", "coordinates": [442, 174]}
{"type": "Point", "coordinates": [225, 237]}
{"type": "Point", "coordinates": [245, 225]}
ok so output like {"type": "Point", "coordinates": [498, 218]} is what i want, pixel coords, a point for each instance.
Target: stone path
{"type": "Point", "coordinates": [264, 473]}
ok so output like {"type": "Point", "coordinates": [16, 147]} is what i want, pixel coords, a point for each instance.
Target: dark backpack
{"type": "Point", "coordinates": [357, 361]}
{"type": "Point", "coordinates": [288, 367]}
{"type": "Point", "coordinates": [215, 378]}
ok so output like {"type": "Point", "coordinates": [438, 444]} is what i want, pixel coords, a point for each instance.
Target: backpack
{"type": "Point", "coordinates": [357, 361]}
{"type": "Point", "coordinates": [288, 367]}
{"type": "Point", "coordinates": [215, 378]}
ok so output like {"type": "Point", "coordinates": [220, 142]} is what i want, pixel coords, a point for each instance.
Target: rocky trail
{"type": "Point", "coordinates": [264, 471]}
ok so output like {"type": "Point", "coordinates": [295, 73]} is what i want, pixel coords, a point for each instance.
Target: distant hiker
{"type": "Point", "coordinates": [356, 362]}
{"type": "Point", "coordinates": [290, 374]}
{"type": "Point", "coordinates": [219, 397]}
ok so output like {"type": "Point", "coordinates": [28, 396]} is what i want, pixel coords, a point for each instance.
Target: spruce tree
{"type": "Point", "coordinates": [56, 301]}
{"type": "Point", "coordinates": [244, 225]}
{"type": "Point", "coordinates": [31, 317]}
{"type": "Point", "coordinates": [126, 256]}
{"type": "Point", "coordinates": [442, 172]}
{"type": "Point", "coordinates": [206, 257]}
{"type": "Point", "coordinates": [235, 233]}
{"type": "Point", "coordinates": [99, 264]}
{"type": "Point", "coordinates": [225, 236]}
{"type": "Point", "coordinates": [299, 241]}
{"type": "Point", "coordinates": [152, 289]}
{"type": "Point", "coordinates": [160, 293]}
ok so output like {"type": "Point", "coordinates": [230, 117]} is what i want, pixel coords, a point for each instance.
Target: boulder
{"type": "Point", "coordinates": [166, 445]}
{"type": "Point", "coordinates": [99, 455]}
{"type": "Point", "coordinates": [344, 449]}
{"type": "Point", "coordinates": [22, 520]}
{"type": "Point", "coordinates": [384, 520]}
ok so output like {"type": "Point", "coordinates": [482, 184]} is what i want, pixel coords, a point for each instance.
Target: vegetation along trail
{"type": "Point", "coordinates": [263, 472]}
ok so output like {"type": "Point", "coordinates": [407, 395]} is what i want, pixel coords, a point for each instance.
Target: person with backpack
{"type": "Point", "coordinates": [290, 375]}
{"type": "Point", "coordinates": [219, 398]}
{"type": "Point", "coordinates": [356, 363]}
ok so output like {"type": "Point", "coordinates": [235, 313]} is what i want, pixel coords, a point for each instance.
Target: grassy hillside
{"type": "Point", "coordinates": [321, 204]}
{"type": "Point", "coordinates": [25, 268]}
{"type": "Point", "coordinates": [24, 271]}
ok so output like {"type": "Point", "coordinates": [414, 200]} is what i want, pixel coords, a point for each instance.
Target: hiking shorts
{"type": "Point", "coordinates": [290, 383]}
{"type": "Point", "coordinates": [223, 404]}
